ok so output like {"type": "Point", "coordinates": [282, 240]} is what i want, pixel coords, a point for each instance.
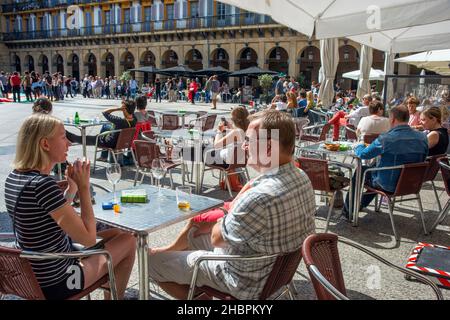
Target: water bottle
{"type": "Point", "coordinates": [77, 118]}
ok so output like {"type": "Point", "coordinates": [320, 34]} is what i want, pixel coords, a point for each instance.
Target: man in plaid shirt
{"type": "Point", "coordinates": [274, 215]}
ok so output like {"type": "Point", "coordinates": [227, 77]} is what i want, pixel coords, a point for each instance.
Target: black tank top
{"type": "Point", "coordinates": [441, 146]}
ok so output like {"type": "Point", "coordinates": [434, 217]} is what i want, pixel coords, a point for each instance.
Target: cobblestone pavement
{"type": "Point", "coordinates": [365, 277]}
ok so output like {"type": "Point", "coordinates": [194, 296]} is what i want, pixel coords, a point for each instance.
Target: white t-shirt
{"type": "Point", "coordinates": [373, 124]}
{"type": "Point", "coordinates": [356, 115]}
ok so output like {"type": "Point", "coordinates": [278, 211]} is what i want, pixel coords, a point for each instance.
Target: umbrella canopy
{"type": "Point", "coordinates": [180, 70]}
{"type": "Point", "coordinates": [341, 18]}
{"type": "Point", "coordinates": [212, 71]}
{"type": "Point", "coordinates": [252, 72]}
{"type": "Point", "coordinates": [375, 75]}
{"type": "Point", "coordinates": [365, 68]}
{"type": "Point", "coordinates": [149, 69]}
{"type": "Point", "coordinates": [435, 60]}
{"type": "Point", "coordinates": [329, 55]}
{"type": "Point", "coordinates": [434, 36]}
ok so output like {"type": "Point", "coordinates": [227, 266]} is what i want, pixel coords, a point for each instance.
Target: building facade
{"type": "Point", "coordinates": [107, 37]}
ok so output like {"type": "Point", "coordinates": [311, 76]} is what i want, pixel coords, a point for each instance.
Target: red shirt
{"type": "Point", "coordinates": [15, 80]}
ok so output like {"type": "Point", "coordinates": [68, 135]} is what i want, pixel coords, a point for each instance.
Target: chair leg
{"type": "Point", "coordinates": [291, 289]}
{"type": "Point", "coordinates": [228, 185]}
{"type": "Point", "coordinates": [330, 210]}
{"type": "Point", "coordinates": [441, 216]}
{"type": "Point", "coordinates": [203, 176]}
{"type": "Point", "coordinates": [419, 201]}
{"type": "Point", "coordinates": [136, 177]}
{"type": "Point", "coordinates": [391, 215]}
{"type": "Point", "coordinates": [171, 179]}
{"type": "Point", "coordinates": [437, 196]}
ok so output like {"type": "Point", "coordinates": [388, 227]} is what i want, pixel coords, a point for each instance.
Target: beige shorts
{"type": "Point", "coordinates": [214, 95]}
{"type": "Point", "coordinates": [178, 266]}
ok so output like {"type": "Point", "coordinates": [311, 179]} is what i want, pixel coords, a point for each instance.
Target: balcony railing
{"type": "Point", "coordinates": [146, 26]}
{"type": "Point", "coordinates": [43, 4]}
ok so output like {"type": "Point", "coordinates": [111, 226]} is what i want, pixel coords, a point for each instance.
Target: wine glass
{"type": "Point", "coordinates": [113, 173]}
{"type": "Point", "coordinates": [158, 172]}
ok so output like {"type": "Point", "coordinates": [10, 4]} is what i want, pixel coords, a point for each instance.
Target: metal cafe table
{"type": "Point", "coordinates": [82, 127]}
{"type": "Point", "coordinates": [319, 148]}
{"type": "Point", "coordinates": [144, 218]}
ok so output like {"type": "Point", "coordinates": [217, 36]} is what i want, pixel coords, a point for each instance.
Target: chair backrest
{"type": "Point", "coordinates": [209, 122]}
{"type": "Point", "coordinates": [411, 179]}
{"type": "Point", "coordinates": [324, 132]}
{"type": "Point", "coordinates": [282, 273]}
{"type": "Point", "coordinates": [141, 127]}
{"type": "Point", "coordinates": [145, 152]}
{"type": "Point", "coordinates": [317, 171]}
{"type": "Point", "coordinates": [169, 122]}
{"type": "Point", "coordinates": [17, 276]}
{"type": "Point", "coordinates": [445, 171]}
{"type": "Point", "coordinates": [433, 167]}
{"type": "Point", "coordinates": [125, 139]}
{"type": "Point", "coordinates": [369, 138]}
{"type": "Point", "coordinates": [300, 123]}
{"type": "Point", "coordinates": [321, 250]}
{"type": "Point", "coordinates": [350, 132]}
{"type": "Point", "coordinates": [239, 157]}
{"type": "Point", "coordinates": [148, 134]}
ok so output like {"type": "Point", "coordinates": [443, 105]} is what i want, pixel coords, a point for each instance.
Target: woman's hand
{"type": "Point", "coordinates": [72, 185]}
{"type": "Point", "coordinates": [81, 173]}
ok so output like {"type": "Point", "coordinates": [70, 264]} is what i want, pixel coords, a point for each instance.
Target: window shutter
{"type": "Point", "coordinates": [201, 8]}
{"type": "Point", "coordinates": [185, 9]}
{"type": "Point", "coordinates": [153, 12]}
{"type": "Point", "coordinates": [139, 14]}
{"type": "Point", "coordinates": [161, 11]}
{"type": "Point", "coordinates": [176, 10]}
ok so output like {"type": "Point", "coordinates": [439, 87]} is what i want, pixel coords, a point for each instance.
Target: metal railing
{"type": "Point", "coordinates": [210, 22]}
{"type": "Point", "coordinates": [43, 4]}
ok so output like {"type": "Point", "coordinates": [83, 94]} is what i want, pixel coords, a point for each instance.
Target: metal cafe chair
{"type": "Point", "coordinates": [317, 171]}
{"type": "Point", "coordinates": [445, 171]}
{"type": "Point", "coordinates": [321, 256]}
{"type": "Point", "coordinates": [280, 277]}
{"type": "Point", "coordinates": [124, 143]}
{"type": "Point", "coordinates": [170, 122]}
{"type": "Point", "coordinates": [432, 172]}
{"type": "Point", "coordinates": [17, 276]}
{"type": "Point", "coordinates": [409, 183]}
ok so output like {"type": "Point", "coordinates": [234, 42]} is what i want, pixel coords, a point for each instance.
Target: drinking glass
{"type": "Point", "coordinates": [113, 173]}
{"type": "Point", "coordinates": [158, 172]}
{"type": "Point", "coordinates": [184, 198]}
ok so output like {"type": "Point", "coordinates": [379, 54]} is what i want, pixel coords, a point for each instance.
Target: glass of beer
{"type": "Point", "coordinates": [184, 198]}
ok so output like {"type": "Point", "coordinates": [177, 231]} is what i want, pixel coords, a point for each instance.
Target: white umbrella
{"type": "Point", "coordinates": [375, 75]}
{"type": "Point", "coordinates": [365, 68]}
{"type": "Point", "coordinates": [341, 18]}
{"type": "Point", "coordinates": [389, 70]}
{"type": "Point", "coordinates": [329, 55]}
{"type": "Point", "coordinates": [432, 36]}
{"type": "Point", "coordinates": [435, 60]}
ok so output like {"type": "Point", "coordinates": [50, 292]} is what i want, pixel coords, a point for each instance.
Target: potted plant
{"type": "Point", "coordinates": [265, 81]}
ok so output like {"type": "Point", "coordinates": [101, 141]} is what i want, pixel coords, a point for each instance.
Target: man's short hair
{"type": "Point", "coordinates": [368, 97]}
{"type": "Point", "coordinates": [281, 121]}
{"type": "Point", "coordinates": [400, 113]}
{"type": "Point", "coordinates": [375, 106]}
{"type": "Point", "coordinates": [141, 102]}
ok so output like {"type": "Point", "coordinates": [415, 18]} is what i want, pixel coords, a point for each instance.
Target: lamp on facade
{"type": "Point", "coordinates": [310, 55]}
{"type": "Point", "coordinates": [277, 54]}
{"type": "Point", "coordinates": [248, 55]}
{"type": "Point", "coordinates": [221, 55]}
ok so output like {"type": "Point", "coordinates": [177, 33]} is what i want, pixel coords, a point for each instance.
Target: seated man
{"type": "Point", "coordinates": [274, 216]}
{"type": "Point", "coordinates": [400, 145]}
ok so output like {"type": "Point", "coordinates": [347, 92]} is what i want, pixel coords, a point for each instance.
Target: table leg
{"type": "Point", "coordinates": [358, 189]}
{"type": "Point", "coordinates": [83, 141]}
{"type": "Point", "coordinates": [142, 251]}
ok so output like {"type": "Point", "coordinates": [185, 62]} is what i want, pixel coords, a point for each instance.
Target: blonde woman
{"type": "Point", "coordinates": [44, 220]}
{"type": "Point", "coordinates": [431, 120]}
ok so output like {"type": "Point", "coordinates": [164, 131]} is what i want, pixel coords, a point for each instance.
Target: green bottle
{"type": "Point", "coordinates": [77, 118]}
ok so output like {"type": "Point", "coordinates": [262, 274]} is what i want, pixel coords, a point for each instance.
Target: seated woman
{"type": "Point", "coordinates": [375, 123]}
{"type": "Point", "coordinates": [42, 105]}
{"type": "Point", "coordinates": [279, 103]}
{"type": "Point", "coordinates": [109, 141]}
{"type": "Point", "coordinates": [32, 195]}
{"type": "Point", "coordinates": [437, 136]}
{"type": "Point", "coordinates": [414, 115]}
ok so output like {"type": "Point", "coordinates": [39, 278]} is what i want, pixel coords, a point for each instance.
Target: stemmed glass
{"type": "Point", "coordinates": [158, 172]}
{"type": "Point", "coordinates": [113, 173]}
